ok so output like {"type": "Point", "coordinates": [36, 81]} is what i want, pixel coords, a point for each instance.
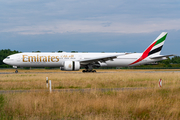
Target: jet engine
{"type": "Point", "coordinates": [71, 65]}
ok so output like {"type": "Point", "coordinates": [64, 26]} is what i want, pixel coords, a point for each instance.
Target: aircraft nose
{"type": "Point", "coordinates": [4, 61]}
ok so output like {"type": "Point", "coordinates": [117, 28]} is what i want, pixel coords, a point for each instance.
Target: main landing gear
{"type": "Point", "coordinates": [89, 71]}
{"type": "Point", "coordinates": [89, 68]}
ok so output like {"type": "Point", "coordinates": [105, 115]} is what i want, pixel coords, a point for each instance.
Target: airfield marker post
{"type": "Point", "coordinates": [50, 86]}
{"type": "Point", "coordinates": [160, 83]}
{"type": "Point", "coordinates": [47, 82]}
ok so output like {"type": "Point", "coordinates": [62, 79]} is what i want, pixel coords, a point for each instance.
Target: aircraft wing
{"type": "Point", "coordinates": [161, 56]}
{"type": "Point", "coordinates": [100, 59]}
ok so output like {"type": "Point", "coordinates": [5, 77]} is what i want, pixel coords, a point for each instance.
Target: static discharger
{"type": "Point", "coordinates": [160, 83]}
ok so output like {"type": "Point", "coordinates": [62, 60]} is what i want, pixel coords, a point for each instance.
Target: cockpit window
{"type": "Point", "coordinates": [7, 57]}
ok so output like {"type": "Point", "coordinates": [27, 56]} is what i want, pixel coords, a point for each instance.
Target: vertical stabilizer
{"type": "Point", "coordinates": [154, 49]}
{"type": "Point", "coordinates": [157, 44]}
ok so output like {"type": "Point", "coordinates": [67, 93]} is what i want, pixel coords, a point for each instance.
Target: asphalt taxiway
{"type": "Point", "coordinates": [159, 71]}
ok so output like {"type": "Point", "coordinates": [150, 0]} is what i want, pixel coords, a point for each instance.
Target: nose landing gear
{"type": "Point", "coordinates": [16, 69]}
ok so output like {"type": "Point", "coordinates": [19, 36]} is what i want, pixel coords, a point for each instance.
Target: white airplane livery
{"type": "Point", "coordinates": [74, 61]}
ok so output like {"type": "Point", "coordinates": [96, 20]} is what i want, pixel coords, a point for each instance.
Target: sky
{"type": "Point", "coordinates": [88, 26]}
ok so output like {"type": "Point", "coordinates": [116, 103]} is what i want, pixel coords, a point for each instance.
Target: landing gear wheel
{"type": "Point", "coordinates": [16, 71]}
{"type": "Point", "coordinates": [89, 71]}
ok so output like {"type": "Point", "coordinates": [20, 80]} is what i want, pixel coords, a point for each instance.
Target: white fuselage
{"type": "Point", "coordinates": [58, 59]}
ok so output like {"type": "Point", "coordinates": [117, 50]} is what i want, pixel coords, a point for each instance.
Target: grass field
{"type": "Point", "coordinates": [151, 103]}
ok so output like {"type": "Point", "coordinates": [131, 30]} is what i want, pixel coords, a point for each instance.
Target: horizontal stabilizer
{"type": "Point", "coordinates": [161, 56]}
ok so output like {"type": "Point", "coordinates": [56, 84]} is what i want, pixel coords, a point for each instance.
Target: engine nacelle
{"type": "Point", "coordinates": [71, 65]}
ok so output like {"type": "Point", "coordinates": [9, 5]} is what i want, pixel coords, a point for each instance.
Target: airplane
{"type": "Point", "coordinates": [89, 61]}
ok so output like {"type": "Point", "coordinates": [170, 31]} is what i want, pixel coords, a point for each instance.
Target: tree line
{"type": "Point", "coordinates": [170, 62]}
{"type": "Point", "coordinates": [3, 54]}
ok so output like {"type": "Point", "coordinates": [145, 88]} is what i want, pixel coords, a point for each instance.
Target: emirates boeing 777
{"type": "Point", "coordinates": [74, 61]}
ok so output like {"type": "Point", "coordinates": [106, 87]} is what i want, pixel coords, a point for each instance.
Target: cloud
{"type": "Point", "coordinates": [104, 25]}
{"type": "Point", "coordinates": [33, 17]}
{"type": "Point", "coordinates": [96, 27]}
